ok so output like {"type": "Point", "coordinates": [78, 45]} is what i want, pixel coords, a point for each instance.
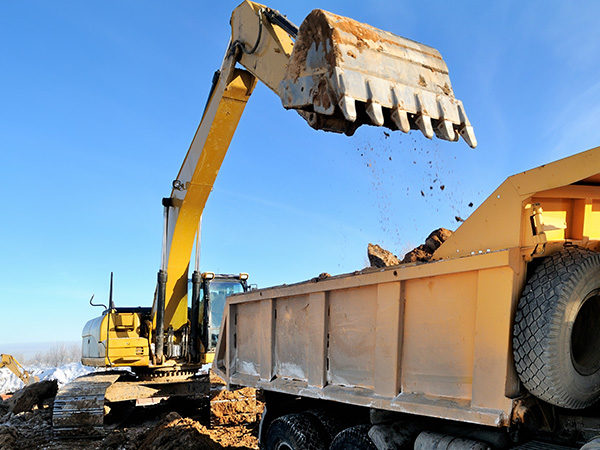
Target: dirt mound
{"type": "Point", "coordinates": [175, 432]}
{"type": "Point", "coordinates": [234, 407]}
{"type": "Point", "coordinates": [233, 423]}
{"type": "Point", "coordinates": [380, 257]}
{"type": "Point", "coordinates": [34, 394]}
{"type": "Point", "coordinates": [8, 437]}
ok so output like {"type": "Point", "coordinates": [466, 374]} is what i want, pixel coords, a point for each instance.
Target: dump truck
{"type": "Point", "coordinates": [495, 343]}
{"type": "Point", "coordinates": [338, 74]}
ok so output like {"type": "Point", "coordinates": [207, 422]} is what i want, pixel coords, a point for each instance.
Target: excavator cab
{"type": "Point", "coordinates": [209, 293]}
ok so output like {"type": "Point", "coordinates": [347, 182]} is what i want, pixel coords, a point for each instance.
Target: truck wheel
{"type": "Point", "coordinates": [330, 424]}
{"type": "Point", "coordinates": [594, 444]}
{"type": "Point", "coordinates": [295, 432]}
{"type": "Point", "coordinates": [353, 438]}
{"type": "Point", "coordinates": [556, 336]}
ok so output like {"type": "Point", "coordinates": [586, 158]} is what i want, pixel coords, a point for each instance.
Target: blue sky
{"type": "Point", "coordinates": [99, 102]}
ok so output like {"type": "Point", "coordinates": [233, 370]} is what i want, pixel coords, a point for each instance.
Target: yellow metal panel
{"type": "Point", "coordinates": [591, 227]}
{"type": "Point", "coordinates": [270, 59]}
{"type": "Point", "coordinates": [501, 221]}
{"type": "Point", "coordinates": [439, 324]}
{"type": "Point", "coordinates": [493, 325]}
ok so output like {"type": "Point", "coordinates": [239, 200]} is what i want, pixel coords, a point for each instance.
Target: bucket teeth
{"type": "Point", "coordinates": [375, 113]}
{"type": "Point", "coordinates": [466, 130]}
{"type": "Point", "coordinates": [351, 74]}
{"type": "Point", "coordinates": [400, 119]}
{"type": "Point", "coordinates": [445, 130]}
{"type": "Point", "coordinates": [348, 107]}
{"type": "Point", "coordinates": [424, 124]}
{"type": "Point", "coordinates": [469, 135]}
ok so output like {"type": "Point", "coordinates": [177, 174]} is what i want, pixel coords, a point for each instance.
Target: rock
{"type": "Point", "coordinates": [437, 238]}
{"type": "Point", "coordinates": [321, 277]}
{"type": "Point", "coordinates": [31, 395]}
{"type": "Point", "coordinates": [419, 254]}
{"type": "Point", "coordinates": [380, 257]}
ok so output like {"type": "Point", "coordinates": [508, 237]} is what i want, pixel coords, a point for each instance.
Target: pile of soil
{"type": "Point", "coordinates": [233, 423]}
{"type": "Point", "coordinates": [380, 257]}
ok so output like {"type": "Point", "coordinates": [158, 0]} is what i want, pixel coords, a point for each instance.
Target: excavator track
{"type": "Point", "coordinates": [79, 406]}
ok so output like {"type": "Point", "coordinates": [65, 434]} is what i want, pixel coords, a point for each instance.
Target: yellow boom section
{"type": "Point", "coordinates": [196, 179]}
{"type": "Point", "coordinates": [13, 365]}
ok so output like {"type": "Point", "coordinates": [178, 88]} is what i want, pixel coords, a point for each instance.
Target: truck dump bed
{"type": "Point", "coordinates": [432, 339]}
{"type": "Point", "coordinates": [429, 339]}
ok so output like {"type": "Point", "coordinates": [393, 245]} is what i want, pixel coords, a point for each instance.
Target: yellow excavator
{"type": "Point", "coordinates": [338, 74]}
{"type": "Point", "coordinates": [13, 365]}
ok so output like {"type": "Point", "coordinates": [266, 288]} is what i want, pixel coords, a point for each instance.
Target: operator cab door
{"type": "Point", "coordinates": [215, 292]}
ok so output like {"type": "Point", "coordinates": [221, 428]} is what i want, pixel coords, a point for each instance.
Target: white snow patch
{"type": "Point", "coordinates": [9, 382]}
{"type": "Point", "coordinates": [204, 369]}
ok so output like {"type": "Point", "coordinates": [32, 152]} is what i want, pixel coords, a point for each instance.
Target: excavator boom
{"type": "Point", "coordinates": [13, 365]}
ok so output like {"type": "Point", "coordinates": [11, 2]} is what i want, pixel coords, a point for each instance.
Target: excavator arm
{"type": "Point", "coordinates": [337, 73]}
{"type": "Point", "coordinates": [13, 365]}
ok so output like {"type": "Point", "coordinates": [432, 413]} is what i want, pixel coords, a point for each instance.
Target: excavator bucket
{"type": "Point", "coordinates": [343, 74]}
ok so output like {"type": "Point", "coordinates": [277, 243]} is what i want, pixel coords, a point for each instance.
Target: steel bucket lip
{"type": "Point", "coordinates": [343, 74]}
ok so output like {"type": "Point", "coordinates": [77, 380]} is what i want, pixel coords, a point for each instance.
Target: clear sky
{"type": "Point", "coordinates": [99, 101]}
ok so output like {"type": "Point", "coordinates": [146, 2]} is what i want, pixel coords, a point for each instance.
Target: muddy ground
{"type": "Point", "coordinates": [232, 423]}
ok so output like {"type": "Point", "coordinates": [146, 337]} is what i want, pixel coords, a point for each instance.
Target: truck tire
{"type": "Point", "coordinates": [353, 438]}
{"type": "Point", "coordinates": [295, 432]}
{"type": "Point", "coordinates": [556, 335]}
{"type": "Point", "coordinates": [330, 424]}
{"type": "Point", "coordinates": [594, 444]}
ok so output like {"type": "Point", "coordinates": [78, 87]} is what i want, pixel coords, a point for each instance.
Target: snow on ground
{"type": "Point", "coordinates": [9, 382]}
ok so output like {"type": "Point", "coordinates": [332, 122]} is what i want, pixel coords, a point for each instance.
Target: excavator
{"type": "Point", "coordinates": [337, 74]}
{"type": "Point", "coordinates": [13, 365]}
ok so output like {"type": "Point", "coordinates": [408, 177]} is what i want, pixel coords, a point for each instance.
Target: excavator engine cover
{"type": "Point", "coordinates": [343, 74]}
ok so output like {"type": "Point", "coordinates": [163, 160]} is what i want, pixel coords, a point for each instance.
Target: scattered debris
{"type": "Point", "coordinates": [459, 219]}
{"type": "Point", "coordinates": [380, 257]}
{"type": "Point", "coordinates": [470, 204]}
{"type": "Point", "coordinates": [386, 134]}
{"type": "Point", "coordinates": [442, 187]}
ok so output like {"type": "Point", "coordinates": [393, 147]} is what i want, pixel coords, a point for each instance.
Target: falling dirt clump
{"type": "Point", "coordinates": [380, 257]}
